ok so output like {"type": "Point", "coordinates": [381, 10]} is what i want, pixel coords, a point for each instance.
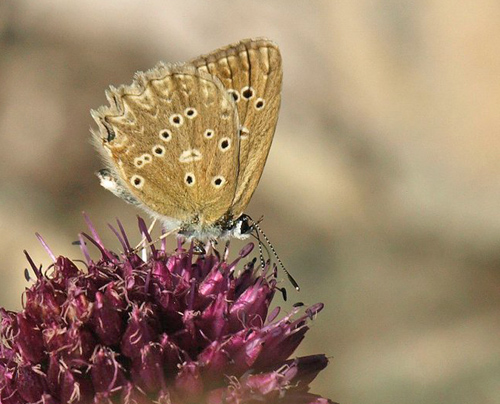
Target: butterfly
{"type": "Point", "coordinates": [187, 142]}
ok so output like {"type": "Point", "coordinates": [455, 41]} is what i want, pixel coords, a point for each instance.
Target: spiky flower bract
{"type": "Point", "coordinates": [179, 328]}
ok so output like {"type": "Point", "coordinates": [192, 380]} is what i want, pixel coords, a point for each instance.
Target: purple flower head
{"type": "Point", "coordinates": [179, 328]}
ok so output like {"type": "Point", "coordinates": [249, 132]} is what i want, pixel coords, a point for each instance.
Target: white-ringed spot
{"type": "Point", "coordinates": [137, 181]}
{"type": "Point", "coordinates": [247, 92]}
{"type": "Point", "coordinates": [259, 104]}
{"type": "Point", "coordinates": [142, 160]}
{"type": "Point", "coordinates": [190, 113]}
{"type": "Point", "coordinates": [138, 162]}
{"type": "Point", "coordinates": [176, 120]}
{"type": "Point", "coordinates": [244, 132]}
{"type": "Point", "coordinates": [224, 144]}
{"type": "Point", "coordinates": [189, 179]}
{"type": "Point", "coordinates": [235, 94]}
{"type": "Point", "coordinates": [218, 181]}
{"type": "Point", "coordinates": [165, 135]}
{"type": "Point", "coordinates": [190, 155]}
{"type": "Point", "coordinates": [158, 150]}
{"type": "Point", "coordinates": [209, 134]}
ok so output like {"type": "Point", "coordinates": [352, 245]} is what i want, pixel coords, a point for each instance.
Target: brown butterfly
{"type": "Point", "coordinates": [187, 142]}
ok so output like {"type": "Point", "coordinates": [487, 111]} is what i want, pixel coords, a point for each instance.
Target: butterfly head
{"type": "Point", "coordinates": [225, 228]}
{"type": "Point", "coordinates": [243, 227]}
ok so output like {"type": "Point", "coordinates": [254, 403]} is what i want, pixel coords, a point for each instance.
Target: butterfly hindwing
{"type": "Point", "coordinates": [171, 139]}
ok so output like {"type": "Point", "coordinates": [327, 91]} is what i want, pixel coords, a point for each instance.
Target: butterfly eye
{"type": "Point", "coordinates": [189, 179]}
{"type": "Point", "coordinates": [247, 92]}
{"type": "Point", "coordinates": [190, 113]}
{"type": "Point", "coordinates": [176, 119]}
{"type": "Point", "coordinates": [235, 94]}
{"type": "Point", "coordinates": [209, 133]}
{"type": "Point", "coordinates": [158, 150]}
{"type": "Point", "coordinates": [224, 144]}
{"type": "Point", "coordinates": [165, 135]}
{"type": "Point", "coordinates": [259, 103]}
{"type": "Point", "coordinates": [137, 181]}
{"type": "Point", "coordinates": [246, 226]}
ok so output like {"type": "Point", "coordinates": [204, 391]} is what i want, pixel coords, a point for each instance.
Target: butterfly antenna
{"type": "Point", "coordinates": [290, 277]}
{"type": "Point", "coordinates": [261, 255]}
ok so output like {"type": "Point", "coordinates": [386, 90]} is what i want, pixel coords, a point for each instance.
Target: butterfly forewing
{"type": "Point", "coordinates": [251, 71]}
{"type": "Point", "coordinates": [172, 139]}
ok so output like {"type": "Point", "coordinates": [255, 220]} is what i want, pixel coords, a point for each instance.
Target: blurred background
{"type": "Point", "coordinates": [381, 192]}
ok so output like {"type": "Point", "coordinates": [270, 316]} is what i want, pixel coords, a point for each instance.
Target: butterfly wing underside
{"type": "Point", "coordinates": [251, 71]}
{"type": "Point", "coordinates": [171, 140]}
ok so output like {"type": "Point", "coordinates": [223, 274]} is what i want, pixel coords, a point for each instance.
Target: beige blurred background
{"type": "Point", "coordinates": [381, 192]}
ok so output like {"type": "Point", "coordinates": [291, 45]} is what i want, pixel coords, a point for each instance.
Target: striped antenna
{"type": "Point", "coordinates": [290, 277]}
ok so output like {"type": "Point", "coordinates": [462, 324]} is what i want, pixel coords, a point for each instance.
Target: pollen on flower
{"type": "Point", "coordinates": [176, 327]}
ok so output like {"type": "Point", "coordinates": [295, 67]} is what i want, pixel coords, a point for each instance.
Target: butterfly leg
{"type": "Point", "coordinates": [198, 247]}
